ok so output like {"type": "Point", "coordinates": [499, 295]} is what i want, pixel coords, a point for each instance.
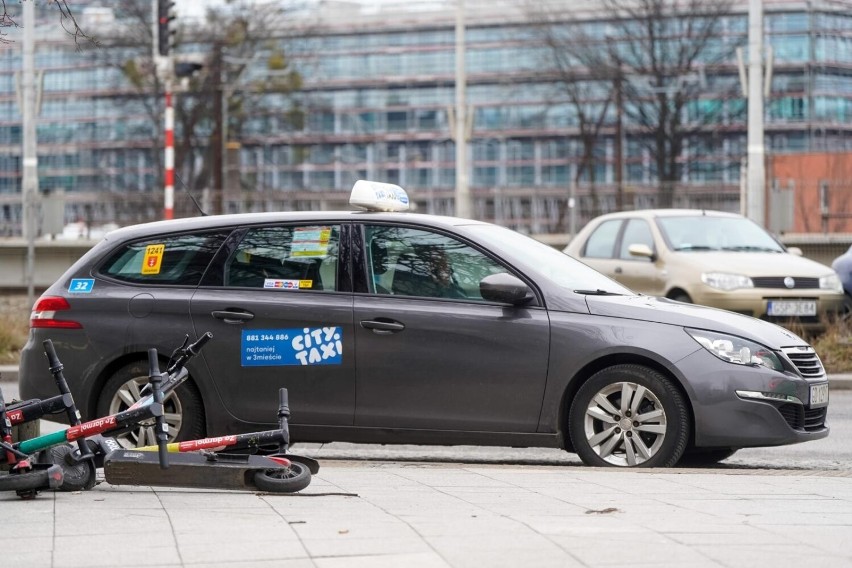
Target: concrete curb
{"type": "Point", "coordinates": [837, 381]}
{"type": "Point", "coordinates": [8, 373]}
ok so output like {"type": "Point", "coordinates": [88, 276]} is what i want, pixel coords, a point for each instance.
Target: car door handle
{"type": "Point", "coordinates": [618, 270]}
{"type": "Point", "coordinates": [382, 327]}
{"type": "Point", "coordinates": [229, 316]}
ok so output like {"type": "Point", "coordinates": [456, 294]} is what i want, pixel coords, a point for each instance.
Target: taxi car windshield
{"type": "Point", "coordinates": [560, 268]}
{"type": "Point", "coordinates": [707, 233]}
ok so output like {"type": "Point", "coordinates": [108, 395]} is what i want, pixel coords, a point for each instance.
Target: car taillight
{"type": "Point", "coordinates": [44, 314]}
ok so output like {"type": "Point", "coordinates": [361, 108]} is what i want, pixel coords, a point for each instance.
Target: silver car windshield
{"type": "Point", "coordinates": [556, 266]}
{"type": "Point", "coordinates": [706, 233]}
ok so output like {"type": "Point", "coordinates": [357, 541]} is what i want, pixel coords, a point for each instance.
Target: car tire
{"type": "Point", "coordinates": [698, 457]}
{"type": "Point", "coordinates": [682, 297]}
{"type": "Point", "coordinates": [650, 429]}
{"type": "Point", "coordinates": [183, 408]}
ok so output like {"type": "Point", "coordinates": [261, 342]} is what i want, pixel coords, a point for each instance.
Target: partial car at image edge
{"type": "Point", "coordinates": [843, 266]}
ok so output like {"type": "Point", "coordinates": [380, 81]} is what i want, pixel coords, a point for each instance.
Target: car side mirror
{"type": "Point", "coordinates": [642, 251]}
{"type": "Point", "coordinates": [795, 250]}
{"type": "Point", "coordinates": [506, 289]}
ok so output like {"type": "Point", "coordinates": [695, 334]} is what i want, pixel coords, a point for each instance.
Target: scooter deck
{"type": "Point", "coordinates": [204, 471]}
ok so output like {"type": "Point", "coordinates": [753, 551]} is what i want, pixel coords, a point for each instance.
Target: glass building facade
{"type": "Point", "coordinates": [377, 96]}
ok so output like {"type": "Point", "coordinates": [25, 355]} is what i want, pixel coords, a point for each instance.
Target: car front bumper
{"type": "Point", "coordinates": [754, 302]}
{"type": "Point", "coordinates": [740, 406]}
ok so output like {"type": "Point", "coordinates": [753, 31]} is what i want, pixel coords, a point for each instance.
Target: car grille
{"type": "Point", "coordinates": [806, 361]}
{"type": "Point", "coordinates": [778, 282]}
{"type": "Point", "coordinates": [801, 418]}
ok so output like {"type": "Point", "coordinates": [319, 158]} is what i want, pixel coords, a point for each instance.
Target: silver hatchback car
{"type": "Point", "coordinates": [393, 327]}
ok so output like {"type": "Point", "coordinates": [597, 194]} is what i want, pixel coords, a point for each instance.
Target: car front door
{"type": "Point", "coordinates": [279, 318]}
{"type": "Point", "coordinates": [431, 353]}
{"type": "Point", "coordinates": [639, 273]}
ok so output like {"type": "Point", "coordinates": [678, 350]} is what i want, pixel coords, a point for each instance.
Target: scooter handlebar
{"type": "Point", "coordinates": [202, 341]}
{"type": "Point", "coordinates": [153, 363]}
{"type": "Point", "coordinates": [50, 351]}
{"type": "Point", "coordinates": [189, 352]}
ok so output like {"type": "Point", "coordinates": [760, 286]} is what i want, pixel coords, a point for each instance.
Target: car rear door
{"type": "Point", "coordinates": [442, 360]}
{"type": "Point", "coordinates": [280, 317]}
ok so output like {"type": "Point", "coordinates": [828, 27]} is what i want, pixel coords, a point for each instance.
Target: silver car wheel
{"type": "Point", "coordinates": [143, 434]}
{"type": "Point", "coordinates": [625, 424]}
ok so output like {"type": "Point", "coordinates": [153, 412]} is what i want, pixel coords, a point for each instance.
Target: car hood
{"type": "Point", "coordinates": [756, 263]}
{"type": "Point", "coordinates": [663, 310]}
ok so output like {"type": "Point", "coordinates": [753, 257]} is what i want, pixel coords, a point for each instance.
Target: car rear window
{"type": "Point", "coordinates": [179, 260]}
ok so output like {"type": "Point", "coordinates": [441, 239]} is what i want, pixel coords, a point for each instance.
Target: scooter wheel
{"type": "Point", "coordinates": [283, 479]}
{"type": "Point", "coordinates": [78, 476]}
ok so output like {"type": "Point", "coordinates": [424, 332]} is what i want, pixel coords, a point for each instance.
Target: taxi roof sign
{"type": "Point", "coordinates": [377, 196]}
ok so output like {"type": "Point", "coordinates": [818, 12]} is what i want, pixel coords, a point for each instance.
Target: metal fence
{"type": "Point", "coordinates": [545, 212]}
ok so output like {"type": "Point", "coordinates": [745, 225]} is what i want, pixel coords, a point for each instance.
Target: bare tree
{"type": "Point", "coordinates": [230, 80]}
{"type": "Point", "coordinates": [66, 19]}
{"type": "Point", "coordinates": [659, 53]}
{"type": "Point", "coordinates": [585, 88]}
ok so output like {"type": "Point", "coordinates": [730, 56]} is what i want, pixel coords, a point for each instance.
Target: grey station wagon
{"type": "Point", "coordinates": [393, 327]}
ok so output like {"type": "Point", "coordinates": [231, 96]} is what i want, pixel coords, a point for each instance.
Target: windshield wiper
{"type": "Point", "coordinates": [751, 248]}
{"type": "Point", "coordinates": [597, 292]}
{"type": "Point", "coordinates": [695, 247]}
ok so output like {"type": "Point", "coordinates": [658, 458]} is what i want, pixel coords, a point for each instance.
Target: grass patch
{"type": "Point", "coordinates": [834, 346]}
{"type": "Point", "coordinates": [14, 327]}
{"type": "Point", "coordinates": [13, 336]}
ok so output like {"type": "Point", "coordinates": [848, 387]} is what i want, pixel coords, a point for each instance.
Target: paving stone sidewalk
{"type": "Point", "coordinates": [414, 515]}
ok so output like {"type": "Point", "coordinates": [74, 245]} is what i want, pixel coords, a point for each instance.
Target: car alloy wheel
{"type": "Point", "coordinates": [183, 408]}
{"type": "Point", "coordinates": [629, 416]}
{"type": "Point", "coordinates": [144, 434]}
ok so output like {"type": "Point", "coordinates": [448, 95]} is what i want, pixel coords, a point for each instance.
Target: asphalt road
{"type": "Point", "coordinates": [833, 453]}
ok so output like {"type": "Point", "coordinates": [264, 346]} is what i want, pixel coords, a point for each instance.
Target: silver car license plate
{"type": "Point", "coordinates": [819, 395]}
{"type": "Point", "coordinates": [792, 308]}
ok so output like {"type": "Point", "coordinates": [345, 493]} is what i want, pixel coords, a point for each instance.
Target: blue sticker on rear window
{"type": "Point", "coordinates": [81, 285]}
{"type": "Point", "coordinates": [297, 346]}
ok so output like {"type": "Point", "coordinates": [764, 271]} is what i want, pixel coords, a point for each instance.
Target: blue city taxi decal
{"type": "Point", "coordinates": [297, 346]}
{"type": "Point", "coordinates": [81, 285]}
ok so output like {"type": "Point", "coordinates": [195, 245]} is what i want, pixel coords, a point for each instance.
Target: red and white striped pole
{"type": "Point", "coordinates": [169, 157]}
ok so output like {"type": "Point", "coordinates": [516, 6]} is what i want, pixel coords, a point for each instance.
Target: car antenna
{"type": "Point", "coordinates": [200, 210]}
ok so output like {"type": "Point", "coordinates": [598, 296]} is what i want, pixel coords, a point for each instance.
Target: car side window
{"type": "Point", "coordinates": [412, 262]}
{"type": "Point", "coordinates": [637, 232]}
{"type": "Point", "coordinates": [178, 260]}
{"type": "Point", "coordinates": [601, 243]}
{"type": "Point", "coordinates": [286, 258]}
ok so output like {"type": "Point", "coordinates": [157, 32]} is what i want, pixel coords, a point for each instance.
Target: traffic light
{"type": "Point", "coordinates": [187, 68]}
{"type": "Point", "coordinates": [165, 15]}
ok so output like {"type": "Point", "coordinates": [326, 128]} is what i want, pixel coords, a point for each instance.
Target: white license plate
{"type": "Point", "coordinates": [819, 395]}
{"type": "Point", "coordinates": [792, 308]}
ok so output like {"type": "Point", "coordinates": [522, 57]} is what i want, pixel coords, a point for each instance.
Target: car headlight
{"type": "Point", "coordinates": [831, 282]}
{"type": "Point", "coordinates": [736, 350]}
{"type": "Point", "coordinates": [725, 281]}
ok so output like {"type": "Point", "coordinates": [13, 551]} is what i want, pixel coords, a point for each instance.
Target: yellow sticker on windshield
{"type": "Point", "coordinates": [153, 259]}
